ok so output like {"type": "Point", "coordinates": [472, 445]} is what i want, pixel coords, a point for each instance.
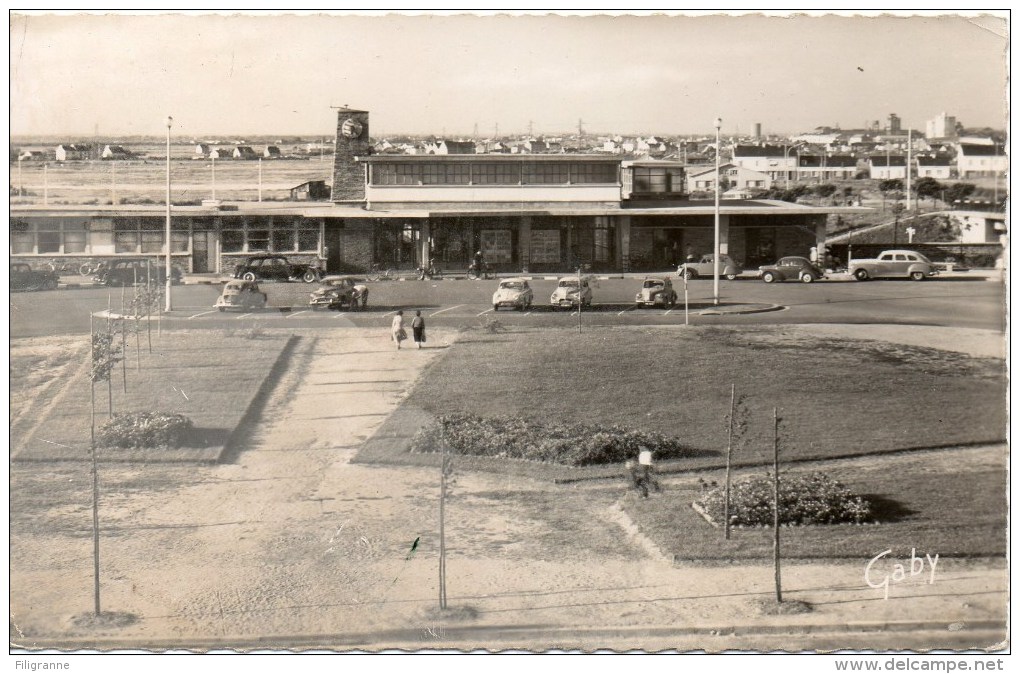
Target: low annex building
{"type": "Point", "coordinates": [547, 212]}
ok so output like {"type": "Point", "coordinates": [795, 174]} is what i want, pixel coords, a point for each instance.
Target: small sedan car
{"type": "Point", "coordinates": [275, 268]}
{"type": "Point", "coordinates": [657, 290]}
{"type": "Point", "coordinates": [514, 293]}
{"type": "Point", "coordinates": [571, 291]}
{"type": "Point", "coordinates": [131, 271]}
{"type": "Point", "coordinates": [340, 292]}
{"type": "Point", "coordinates": [23, 277]}
{"type": "Point", "coordinates": [793, 268]}
{"type": "Point", "coordinates": [241, 295]}
{"type": "Point", "coordinates": [706, 267]}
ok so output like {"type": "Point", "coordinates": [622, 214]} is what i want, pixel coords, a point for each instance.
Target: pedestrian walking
{"type": "Point", "coordinates": [397, 329]}
{"type": "Point", "coordinates": [418, 328]}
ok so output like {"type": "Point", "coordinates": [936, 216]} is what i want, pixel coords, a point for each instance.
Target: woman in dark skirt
{"type": "Point", "coordinates": [418, 328]}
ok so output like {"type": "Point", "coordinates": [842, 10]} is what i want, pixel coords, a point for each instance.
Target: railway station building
{"type": "Point", "coordinates": [534, 213]}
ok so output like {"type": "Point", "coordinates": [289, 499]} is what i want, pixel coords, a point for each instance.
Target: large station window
{"type": "Point", "coordinates": [497, 245]}
{"type": "Point", "coordinates": [545, 246]}
{"type": "Point", "coordinates": [268, 235]}
{"type": "Point", "coordinates": [493, 173]}
{"type": "Point", "coordinates": [146, 235]}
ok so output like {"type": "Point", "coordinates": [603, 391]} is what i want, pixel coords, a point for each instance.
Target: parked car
{"type": "Point", "coordinates": [571, 291]}
{"type": "Point", "coordinates": [340, 292]}
{"type": "Point", "coordinates": [706, 267]}
{"type": "Point", "coordinates": [656, 290]}
{"type": "Point", "coordinates": [241, 295]}
{"type": "Point", "coordinates": [135, 270]}
{"type": "Point", "coordinates": [789, 268]}
{"type": "Point", "coordinates": [23, 277]}
{"type": "Point", "coordinates": [275, 268]}
{"type": "Point", "coordinates": [893, 264]}
{"type": "Point", "coordinates": [514, 293]}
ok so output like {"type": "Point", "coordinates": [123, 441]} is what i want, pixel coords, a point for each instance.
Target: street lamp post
{"type": "Point", "coordinates": [169, 276]}
{"type": "Point", "coordinates": [715, 248]}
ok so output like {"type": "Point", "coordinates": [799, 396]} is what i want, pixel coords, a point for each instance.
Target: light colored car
{"type": "Point", "coordinates": [656, 290]}
{"type": "Point", "coordinates": [241, 295]}
{"type": "Point", "coordinates": [893, 264]}
{"type": "Point", "coordinates": [340, 292]}
{"type": "Point", "coordinates": [728, 268]}
{"type": "Point", "coordinates": [571, 291]}
{"type": "Point", "coordinates": [514, 293]}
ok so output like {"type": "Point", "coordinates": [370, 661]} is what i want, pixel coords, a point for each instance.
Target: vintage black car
{"type": "Point", "coordinates": [127, 272]}
{"type": "Point", "coordinates": [23, 277]}
{"type": "Point", "coordinates": [789, 268]}
{"type": "Point", "coordinates": [275, 268]}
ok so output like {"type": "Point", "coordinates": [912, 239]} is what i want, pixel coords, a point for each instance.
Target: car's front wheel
{"type": "Point", "coordinates": [310, 276]}
{"type": "Point", "coordinates": [690, 274]}
{"type": "Point", "coordinates": [248, 276]}
{"type": "Point", "coordinates": [807, 277]}
{"type": "Point", "coordinates": [768, 277]}
{"type": "Point", "coordinates": [731, 277]}
{"type": "Point", "coordinates": [917, 276]}
{"type": "Point", "coordinates": [861, 274]}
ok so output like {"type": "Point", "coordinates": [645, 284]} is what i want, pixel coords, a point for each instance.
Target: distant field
{"type": "Point", "coordinates": [102, 182]}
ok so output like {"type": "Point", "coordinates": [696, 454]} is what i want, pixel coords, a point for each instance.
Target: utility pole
{"type": "Point", "coordinates": [580, 127]}
{"type": "Point", "coordinates": [775, 502]}
{"type": "Point", "coordinates": [910, 133]}
{"type": "Point", "coordinates": [531, 129]}
{"type": "Point", "coordinates": [169, 301]}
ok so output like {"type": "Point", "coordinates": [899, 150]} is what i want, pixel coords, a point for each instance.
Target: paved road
{"type": "Point", "coordinates": [970, 301]}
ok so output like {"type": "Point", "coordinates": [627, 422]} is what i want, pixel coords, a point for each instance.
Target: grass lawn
{"type": "Point", "coordinates": [213, 378]}
{"type": "Point", "coordinates": [939, 510]}
{"type": "Point", "coordinates": [836, 397]}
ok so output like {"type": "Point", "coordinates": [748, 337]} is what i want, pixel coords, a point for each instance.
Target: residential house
{"type": "Point", "coordinates": [827, 167]}
{"type": "Point", "coordinates": [73, 152]}
{"type": "Point", "coordinates": [535, 146]}
{"type": "Point", "coordinates": [887, 167]}
{"type": "Point", "coordinates": [201, 150]}
{"type": "Point", "coordinates": [776, 161]}
{"type": "Point", "coordinates": [244, 152]}
{"type": "Point", "coordinates": [117, 152]}
{"type": "Point", "coordinates": [453, 147]}
{"type": "Point", "coordinates": [980, 160]}
{"type": "Point", "coordinates": [313, 190]}
{"type": "Point", "coordinates": [221, 153]}
{"type": "Point", "coordinates": [938, 166]}
{"type": "Point", "coordinates": [271, 152]}
{"type": "Point", "coordinates": [732, 176]}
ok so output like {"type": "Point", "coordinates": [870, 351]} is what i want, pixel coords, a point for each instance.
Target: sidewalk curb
{"type": "Point", "coordinates": [556, 635]}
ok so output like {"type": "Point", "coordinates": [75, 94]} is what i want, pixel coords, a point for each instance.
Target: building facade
{"type": "Point", "coordinates": [524, 212]}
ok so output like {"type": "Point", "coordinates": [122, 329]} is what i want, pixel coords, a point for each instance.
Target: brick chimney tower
{"type": "Point", "coordinates": [351, 141]}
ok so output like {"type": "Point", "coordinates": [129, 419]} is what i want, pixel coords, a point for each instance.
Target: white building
{"type": "Point", "coordinates": [737, 177]}
{"type": "Point", "coordinates": [980, 160]}
{"type": "Point", "coordinates": [943, 126]}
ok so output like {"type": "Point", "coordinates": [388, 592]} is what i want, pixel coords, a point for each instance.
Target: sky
{"type": "Point", "coordinates": [252, 74]}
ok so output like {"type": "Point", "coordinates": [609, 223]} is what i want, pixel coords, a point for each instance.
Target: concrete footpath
{"type": "Point", "coordinates": [294, 546]}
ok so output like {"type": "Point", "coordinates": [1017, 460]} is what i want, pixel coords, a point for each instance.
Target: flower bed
{"type": "Point", "coordinates": [516, 438]}
{"type": "Point", "coordinates": [144, 430]}
{"type": "Point", "coordinates": [811, 498]}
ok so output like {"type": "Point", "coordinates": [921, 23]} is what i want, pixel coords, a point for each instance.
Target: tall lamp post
{"type": "Point", "coordinates": [169, 276]}
{"type": "Point", "coordinates": [715, 247]}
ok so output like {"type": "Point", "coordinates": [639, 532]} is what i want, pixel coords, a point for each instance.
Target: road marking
{"type": "Point", "coordinates": [527, 314]}
{"type": "Point", "coordinates": [202, 314]}
{"type": "Point", "coordinates": [295, 313]}
{"type": "Point", "coordinates": [481, 314]}
{"type": "Point", "coordinates": [243, 316]}
{"type": "Point", "coordinates": [667, 312]}
{"type": "Point", "coordinates": [447, 309]}
{"type": "Point", "coordinates": [626, 310]}
{"type": "Point", "coordinates": [389, 314]}
{"type": "Point", "coordinates": [342, 313]}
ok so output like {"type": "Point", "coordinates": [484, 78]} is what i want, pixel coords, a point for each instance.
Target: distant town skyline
{"type": "Point", "coordinates": [260, 74]}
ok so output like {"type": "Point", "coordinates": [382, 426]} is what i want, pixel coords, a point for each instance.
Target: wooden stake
{"type": "Point", "coordinates": [95, 474]}
{"type": "Point", "coordinates": [729, 455]}
{"type": "Point", "coordinates": [775, 499]}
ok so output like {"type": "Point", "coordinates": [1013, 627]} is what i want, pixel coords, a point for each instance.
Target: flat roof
{"type": "Point", "coordinates": [418, 158]}
{"type": "Point", "coordinates": [325, 209]}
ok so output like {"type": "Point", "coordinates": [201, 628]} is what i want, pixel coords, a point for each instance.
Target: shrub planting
{"type": "Point", "coordinates": [516, 438]}
{"type": "Point", "coordinates": [144, 430]}
{"type": "Point", "coordinates": [811, 498]}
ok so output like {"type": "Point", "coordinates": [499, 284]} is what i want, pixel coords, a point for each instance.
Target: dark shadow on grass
{"type": "Point", "coordinates": [245, 428]}
{"type": "Point", "coordinates": [206, 437]}
{"type": "Point", "coordinates": [886, 510]}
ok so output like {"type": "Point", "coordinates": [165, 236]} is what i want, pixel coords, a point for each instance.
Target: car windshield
{"type": "Point", "coordinates": [233, 287]}
{"type": "Point", "coordinates": [512, 285]}
{"type": "Point", "coordinates": [654, 284]}
{"type": "Point", "coordinates": [569, 283]}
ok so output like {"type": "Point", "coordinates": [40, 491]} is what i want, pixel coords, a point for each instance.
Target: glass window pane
{"type": "Point", "coordinates": [258, 239]}
{"type": "Point", "coordinates": [308, 239]}
{"type": "Point", "coordinates": [74, 242]}
{"type": "Point", "coordinates": [232, 240]}
{"type": "Point", "coordinates": [283, 240]}
{"type": "Point", "coordinates": [152, 242]}
{"type": "Point", "coordinates": [179, 242]}
{"type": "Point", "coordinates": [22, 243]}
{"type": "Point", "coordinates": [49, 242]}
{"type": "Point", "coordinates": [126, 242]}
